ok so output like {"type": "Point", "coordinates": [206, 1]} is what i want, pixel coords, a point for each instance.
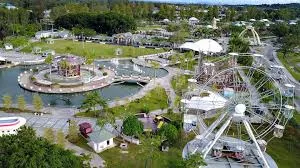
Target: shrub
{"type": "Point", "coordinates": [145, 109]}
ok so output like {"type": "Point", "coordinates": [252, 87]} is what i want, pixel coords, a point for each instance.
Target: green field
{"type": "Point", "coordinates": [101, 50]}
{"type": "Point", "coordinates": [291, 62]}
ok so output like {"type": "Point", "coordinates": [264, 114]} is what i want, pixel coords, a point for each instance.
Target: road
{"type": "Point", "coordinates": [271, 57]}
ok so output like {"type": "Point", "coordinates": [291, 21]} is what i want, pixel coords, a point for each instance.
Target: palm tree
{"type": "Point", "coordinates": [64, 65]}
{"type": "Point", "coordinates": [155, 65]}
{"type": "Point", "coordinates": [239, 45]}
{"type": "Point", "coordinates": [189, 57]}
{"type": "Point", "coordinates": [90, 59]}
{"type": "Point", "coordinates": [182, 60]}
{"type": "Point", "coordinates": [174, 59]}
{"type": "Point", "coordinates": [49, 61]}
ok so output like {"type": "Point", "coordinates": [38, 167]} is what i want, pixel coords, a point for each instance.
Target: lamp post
{"type": "Point", "coordinates": [82, 39]}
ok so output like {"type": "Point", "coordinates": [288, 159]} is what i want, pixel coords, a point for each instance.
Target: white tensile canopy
{"type": "Point", "coordinates": [2, 58]}
{"type": "Point", "coordinates": [166, 20]}
{"type": "Point", "coordinates": [193, 19]}
{"type": "Point", "coordinates": [189, 46]}
{"type": "Point", "coordinates": [209, 45]}
{"type": "Point", "coordinates": [204, 45]}
{"type": "Point", "coordinates": [206, 103]}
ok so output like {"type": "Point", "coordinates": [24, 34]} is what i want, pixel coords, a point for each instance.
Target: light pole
{"type": "Point", "coordinates": [82, 39]}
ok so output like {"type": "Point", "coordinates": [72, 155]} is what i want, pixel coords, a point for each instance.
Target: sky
{"type": "Point", "coordinates": [230, 2]}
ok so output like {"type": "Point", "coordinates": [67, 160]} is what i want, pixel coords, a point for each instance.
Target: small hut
{"type": "Point", "coordinates": [49, 41]}
{"type": "Point", "coordinates": [37, 50]}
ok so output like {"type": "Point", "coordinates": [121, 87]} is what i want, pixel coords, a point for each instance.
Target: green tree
{"type": "Point", "coordinates": [238, 44]}
{"type": "Point", "coordinates": [189, 57]}
{"type": "Point", "coordinates": [169, 131]}
{"type": "Point", "coordinates": [25, 149]}
{"type": "Point", "coordinates": [7, 101]}
{"type": "Point", "coordinates": [280, 30]}
{"type": "Point", "coordinates": [49, 135]}
{"type": "Point", "coordinates": [150, 145]}
{"type": "Point", "coordinates": [49, 60]}
{"type": "Point", "coordinates": [60, 138]}
{"type": "Point", "coordinates": [90, 59]}
{"type": "Point", "coordinates": [194, 161]}
{"type": "Point", "coordinates": [37, 102]}
{"type": "Point", "coordinates": [21, 103]}
{"type": "Point", "coordinates": [155, 65]}
{"type": "Point", "coordinates": [182, 61]}
{"type": "Point", "coordinates": [132, 126]}
{"type": "Point", "coordinates": [92, 100]}
{"type": "Point", "coordinates": [73, 131]}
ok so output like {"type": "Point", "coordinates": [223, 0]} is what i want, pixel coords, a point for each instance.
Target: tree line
{"type": "Point", "coordinates": [104, 23]}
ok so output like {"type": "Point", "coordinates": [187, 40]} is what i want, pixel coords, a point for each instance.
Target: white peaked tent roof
{"type": "Point", "coordinates": [193, 19]}
{"type": "Point", "coordinates": [213, 101]}
{"type": "Point", "coordinates": [166, 20]}
{"type": "Point", "coordinates": [208, 45]}
{"type": "Point", "coordinates": [204, 45]}
{"type": "Point", "coordinates": [189, 46]}
{"type": "Point", "coordinates": [2, 58]}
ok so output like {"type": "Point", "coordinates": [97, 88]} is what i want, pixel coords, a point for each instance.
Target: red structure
{"type": "Point", "coordinates": [85, 128]}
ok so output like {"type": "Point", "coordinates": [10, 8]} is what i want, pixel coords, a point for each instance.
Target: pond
{"type": "Point", "coordinates": [9, 85]}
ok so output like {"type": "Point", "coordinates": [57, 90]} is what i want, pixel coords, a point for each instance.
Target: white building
{"type": "Point", "coordinates": [193, 21]}
{"type": "Point", "coordinates": [101, 139]}
{"type": "Point", "coordinates": [8, 46]}
{"type": "Point", "coordinates": [48, 34]}
{"type": "Point", "coordinates": [43, 34]}
{"type": "Point", "coordinates": [10, 7]}
{"type": "Point", "coordinates": [10, 125]}
{"type": "Point", "coordinates": [48, 52]}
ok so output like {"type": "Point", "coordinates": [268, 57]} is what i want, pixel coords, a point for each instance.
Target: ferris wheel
{"type": "Point", "coordinates": [235, 113]}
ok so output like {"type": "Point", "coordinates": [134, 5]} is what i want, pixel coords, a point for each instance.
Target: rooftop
{"type": "Point", "coordinates": [100, 134]}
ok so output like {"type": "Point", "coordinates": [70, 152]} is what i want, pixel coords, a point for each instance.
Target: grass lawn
{"type": "Point", "coordinates": [138, 156]}
{"type": "Point", "coordinates": [285, 151]}
{"type": "Point", "coordinates": [154, 100]}
{"type": "Point", "coordinates": [101, 50]}
{"type": "Point", "coordinates": [291, 60]}
{"type": "Point", "coordinates": [297, 117]}
{"type": "Point", "coordinates": [83, 144]}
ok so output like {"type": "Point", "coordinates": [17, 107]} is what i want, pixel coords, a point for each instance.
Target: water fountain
{"type": "Point", "coordinates": [115, 61]}
{"type": "Point", "coordinates": [136, 68]}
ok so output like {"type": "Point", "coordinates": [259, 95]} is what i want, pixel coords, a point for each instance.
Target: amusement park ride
{"type": "Point", "coordinates": [234, 112]}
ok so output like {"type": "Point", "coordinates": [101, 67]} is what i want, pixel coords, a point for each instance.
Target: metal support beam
{"type": "Point", "coordinates": [249, 131]}
{"type": "Point", "coordinates": [217, 136]}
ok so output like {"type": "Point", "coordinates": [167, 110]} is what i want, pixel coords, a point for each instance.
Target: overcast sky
{"type": "Point", "coordinates": [229, 1]}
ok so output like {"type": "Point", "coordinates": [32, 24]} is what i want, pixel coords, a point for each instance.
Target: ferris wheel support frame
{"type": "Point", "coordinates": [217, 136]}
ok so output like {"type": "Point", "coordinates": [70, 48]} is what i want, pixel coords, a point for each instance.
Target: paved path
{"type": "Point", "coordinates": [96, 160]}
{"type": "Point", "coordinates": [22, 58]}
